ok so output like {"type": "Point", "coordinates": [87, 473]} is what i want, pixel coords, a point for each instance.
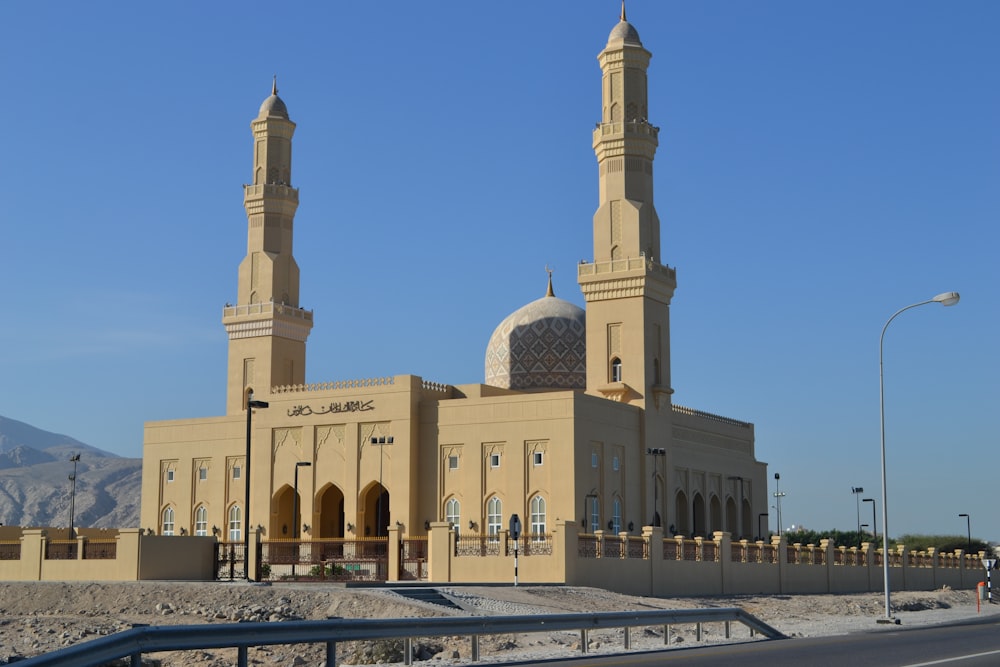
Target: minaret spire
{"type": "Point", "coordinates": [274, 83]}
{"type": "Point", "coordinates": [549, 291]}
{"type": "Point", "coordinates": [623, 11]}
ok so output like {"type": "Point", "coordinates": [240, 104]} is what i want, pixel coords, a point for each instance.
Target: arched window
{"type": "Point", "coordinates": [595, 514]}
{"type": "Point", "coordinates": [168, 522]}
{"type": "Point", "coordinates": [494, 516]}
{"type": "Point", "coordinates": [235, 523]}
{"type": "Point", "coordinates": [616, 516]}
{"type": "Point", "coordinates": [538, 518]}
{"type": "Point", "coordinates": [453, 512]}
{"type": "Point", "coordinates": [616, 370]}
{"type": "Point", "coordinates": [201, 521]}
{"type": "Point", "coordinates": [656, 372]}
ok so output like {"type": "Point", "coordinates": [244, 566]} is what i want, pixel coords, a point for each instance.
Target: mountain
{"type": "Point", "coordinates": [35, 489]}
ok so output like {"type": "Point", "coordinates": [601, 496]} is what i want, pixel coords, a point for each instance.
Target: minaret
{"type": "Point", "coordinates": [627, 290]}
{"type": "Point", "coordinates": [267, 328]}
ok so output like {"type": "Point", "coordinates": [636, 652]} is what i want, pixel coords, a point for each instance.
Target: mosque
{"type": "Point", "coordinates": [575, 420]}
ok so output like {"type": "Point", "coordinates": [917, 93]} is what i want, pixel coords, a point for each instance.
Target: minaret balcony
{"type": "Point", "coordinates": [269, 309]}
{"type": "Point", "coordinates": [278, 190]}
{"type": "Point", "coordinates": [639, 128]}
{"type": "Point", "coordinates": [628, 265]}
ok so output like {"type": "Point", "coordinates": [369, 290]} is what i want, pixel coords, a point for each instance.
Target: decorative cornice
{"type": "Point", "coordinates": [297, 331]}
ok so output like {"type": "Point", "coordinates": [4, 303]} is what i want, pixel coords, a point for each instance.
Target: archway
{"type": "Point", "coordinates": [683, 514]}
{"type": "Point", "coordinates": [282, 523]}
{"type": "Point", "coordinates": [747, 519]}
{"type": "Point", "coordinates": [716, 512]}
{"type": "Point", "coordinates": [698, 526]}
{"type": "Point", "coordinates": [330, 522]}
{"type": "Point", "coordinates": [376, 511]}
{"type": "Point", "coordinates": [732, 521]}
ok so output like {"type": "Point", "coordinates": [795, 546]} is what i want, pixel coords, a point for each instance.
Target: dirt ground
{"type": "Point", "coordinates": [37, 618]}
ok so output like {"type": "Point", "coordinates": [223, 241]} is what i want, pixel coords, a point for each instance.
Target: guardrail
{"type": "Point", "coordinates": [133, 643]}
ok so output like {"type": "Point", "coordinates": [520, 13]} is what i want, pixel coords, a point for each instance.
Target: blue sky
{"type": "Point", "coordinates": [821, 165]}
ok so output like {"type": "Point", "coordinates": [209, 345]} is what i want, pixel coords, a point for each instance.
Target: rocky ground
{"type": "Point", "coordinates": [37, 618]}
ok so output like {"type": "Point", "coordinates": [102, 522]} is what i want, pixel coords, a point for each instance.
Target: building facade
{"type": "Point", "coordinates": [575, 422]}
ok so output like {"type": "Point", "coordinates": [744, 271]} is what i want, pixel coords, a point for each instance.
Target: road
{"type": "Point", "coordinates": [971, 643]}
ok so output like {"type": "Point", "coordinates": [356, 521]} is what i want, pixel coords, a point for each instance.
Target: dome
{"type": "Point", "coordinates": [273, 105]}
{"type": "Point", "coordinates": [542, 345]}
{"type": "Point", "coordinates": [624, 31]}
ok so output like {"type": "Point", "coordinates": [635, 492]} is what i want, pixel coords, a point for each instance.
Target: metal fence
{"type": "Point", "coordinates": [133, 643]}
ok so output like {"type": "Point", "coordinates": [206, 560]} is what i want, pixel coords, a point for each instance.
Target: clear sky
{"type": "Point", "coordinates": [821, 165]}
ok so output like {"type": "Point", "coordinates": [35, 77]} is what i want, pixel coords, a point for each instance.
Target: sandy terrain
{"type": "Point", "coordinates": [40, 617]}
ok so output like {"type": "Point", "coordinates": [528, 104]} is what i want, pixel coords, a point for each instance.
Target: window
{"type": "Point", "coordinates": [237, 471]}
{"type": "Point", "coordinates": [170, 475]}
{"type": "Point", "coordinates": [537, 458]}
{"type": "Point", "coordinates": [595, 514]}
{"type": "Point", "coordinates": [615, 463]}
{"type": "Point", "coordinates": [453, 512]}
{"type": "Point", "coordinates": [452, 463]}
{"type": "Point", "coordinates": [494, 515]}
{"type": "Point", "coordinates": [235, 523]}
{"type": "Point", "coordinates": [593, 459]}
{"type": "Point", "coordinates": [202, 474]}
{"type": "Point", "coordinates": [494, 460]}
{"type": "Point", "coordinates": [538, 518]}
{"type": "Point", "coordinates": [616, 370]}
{"type": "Point", "coordinates": [201, 521]}
{"type": "Point", "coordinates": [616, 518]}
{"type": "Point", "coordinates": [168, 521]}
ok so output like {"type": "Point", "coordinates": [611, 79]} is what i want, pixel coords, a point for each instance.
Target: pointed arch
{"type": "Point", "coordinates": [234, 521]}
{"type": "Point", "coordinates": [201, 520]}
{"type": "Point", "coordinates": [167, 521]}
{"type": "Point", "coordinates": [682, 513]}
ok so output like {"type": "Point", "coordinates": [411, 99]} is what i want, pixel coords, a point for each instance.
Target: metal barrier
{"type": "Point", "coordinates": [133, 643]}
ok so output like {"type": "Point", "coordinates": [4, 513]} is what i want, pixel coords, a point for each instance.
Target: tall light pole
{"type": "Point", "coordinates": [945, 299]}
{"type": "Point", "coordinates": [739, 507]}
{"type": "Point", "coordinates": [656, 452]}
{"type": "Point", "coordinates": [251, 404]}
{"type": "Point", "coordinates": [778, 495]}
{"type": "Point", "coordinates": [968, 528]}
{"type": "Point", "coordinates": [874, 524]}
{"type": "Point", "coordinates": [72, 494]}
{"type": "Point", "coordinates": [295, 511]}
{"type": "Point", "coordinates": [857, 491]}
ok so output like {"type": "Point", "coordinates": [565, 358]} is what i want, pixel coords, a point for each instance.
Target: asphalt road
{"type": "Point", "coordinates": [972, 643]}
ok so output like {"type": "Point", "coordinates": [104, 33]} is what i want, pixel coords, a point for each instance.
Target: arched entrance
{"type": "Point", "coordinates": [376, 511]}
{"type": "Point", "coordinates": [699, 527]}
{"type": "Point", "coordinates": [282, 524]}
{"type": "Point", "coordinates": [747, 519]}
{"type": "Point", "coordinates": [731, 518]}
{"type": "Point", "coordinates": [683, 515]}
{"type": "Point", "coordinates": [330, 523]}
{"type": "Point", "coordinates": [716, 514]}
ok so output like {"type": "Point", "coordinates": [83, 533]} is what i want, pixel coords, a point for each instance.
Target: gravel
{"type": "Point", "coordinates": [38, 617]}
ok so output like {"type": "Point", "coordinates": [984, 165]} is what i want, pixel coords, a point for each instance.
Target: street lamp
{"type": "Point", "coordinates": [739, 508]}
{"type": "Point", "coordinates": [968, 528]}
{"type": "Point", "coordinates": [72, 494]}
{"type": "Point", "coordinates": [857, 491]}
{"type": "Point", "coordinates": [760, 532]}
{"type": "Point", "coordinates": [251, 404]}
{"type": "Point", "coordinates": [945, 299]}
{"type": "Point", "coordinates": [778, 495]}
{"type": "Point", "coordinates": [656, 452]}
{"type": "Point", "coordinates": [874, 524]}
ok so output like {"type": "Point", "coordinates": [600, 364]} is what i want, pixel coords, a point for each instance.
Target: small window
{"type": "Point", "coordinates": [170, 475]}
{"type": "Point", "coordinates": [537, 458]}
{"type": "Point", "coordinates": [615, 464]}
{"type": "Point", "coordinates": [494, 460]}
{"type": "Point", "coordinates": [202, 474]}
{"type": "Point", "coordinates": [452, 463]}
{"type": "Point", "coordinates": [616, 370]}
{"type": "Point", "coordinates": [593, 459]}
{"type": "Point", "coordinates": [237, 471]}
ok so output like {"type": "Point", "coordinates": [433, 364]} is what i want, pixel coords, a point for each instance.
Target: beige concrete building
{"type": "Point", "coordinates": [574, 425]}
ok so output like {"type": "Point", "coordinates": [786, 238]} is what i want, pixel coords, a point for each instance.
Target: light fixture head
{"type": "Point", "coordinates": [947, 298]}
{"type": "Point", "coordinates": [300, 464]}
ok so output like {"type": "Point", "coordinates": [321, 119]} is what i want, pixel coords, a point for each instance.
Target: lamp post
{"type": "Point", "coordinates": [778, 495]}
{"type": "Point", "coordinates": [857, 491]}
{"type": "Point", "coordinates": [656, 452]}
{"type": "Point", "coordinates": [72, 494]}
{"type": "Point", "coordinates": [739, 507]}
{"type": "Point", "coordinates": [251, 404]}
{"type": "Point", "coordinates": [760, 532]}
{"type": "Point", "coordinates": [968, 528]}
{"type": "Point", "coordinates": [945, 299]}
{"type": "Point", "coordinates": [874, 524]}
{"type": "Point", "coordinates": [295, 511]}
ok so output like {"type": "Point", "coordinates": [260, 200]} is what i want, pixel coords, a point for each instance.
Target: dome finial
{"type": "Point", "coordinates": [623, 10]}
{"type": "Point", "coordinates": [549, 291]}
{"type": "Point", "coordinates": [274, 83]}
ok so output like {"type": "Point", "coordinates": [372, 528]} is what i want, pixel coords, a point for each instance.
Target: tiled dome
{"type": "Point", "coordinates": [539, 346]}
